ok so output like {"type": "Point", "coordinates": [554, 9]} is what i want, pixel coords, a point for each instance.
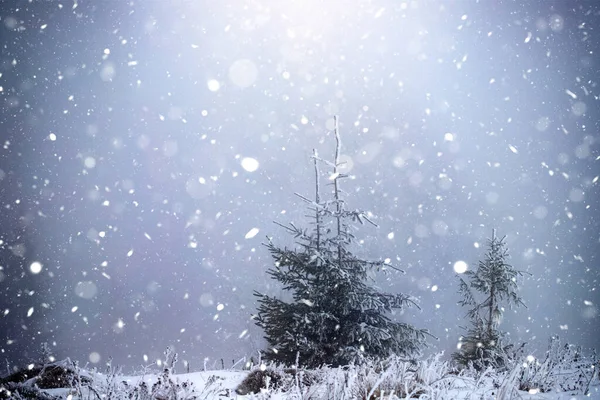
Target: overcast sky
{"type": "Point", "coordinates": [148, 146]}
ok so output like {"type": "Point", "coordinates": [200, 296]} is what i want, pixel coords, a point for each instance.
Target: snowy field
{"type": "Point", "coordinates": [427, 379]}
{"type": "Point", "coordinates": [222, 385]}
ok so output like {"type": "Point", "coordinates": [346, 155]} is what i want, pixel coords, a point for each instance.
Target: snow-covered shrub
{"type": "Point", "coordinates": [59, 374]}
{"type": "Point", "coordinates": [432, 369]}
{"type": "Point", "coordinates": [282, 379]}
{"type": "Point", "coordinates": [509, 385]}
{"type": "Point", "coordinates": [564, 368]}
{"type": "Point", "coordinates": [151, 386]}
{"type": "Point", "coordinates": [164, 386]}
{"type": "Point", "coordinates": [260, 379]}
{"type": "Point", "coordinates": [392, 378]}
{"type": "Point", "coordinates": [12, 390]}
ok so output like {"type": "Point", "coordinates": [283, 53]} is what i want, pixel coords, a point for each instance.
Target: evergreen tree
{"type": "Point", "coordinates": [334, 317]}
{"type": "Point", "coordinates": [496, 281]}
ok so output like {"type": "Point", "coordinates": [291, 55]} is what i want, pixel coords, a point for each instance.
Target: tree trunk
{"type": "Point", "coordinates": [317, 201]}
{"type": "Point", "coordinates": [336, 176]}
{"type": "Point", "coordinates": [491, 316]}
{"type": "Point", "coordinates": [492, 291]}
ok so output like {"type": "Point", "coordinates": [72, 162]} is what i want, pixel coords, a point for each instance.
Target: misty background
{"type": "Point", "coordinates": [148, 146]}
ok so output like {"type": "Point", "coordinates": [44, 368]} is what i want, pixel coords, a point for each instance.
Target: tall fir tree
{"type": "Point", "coordinates": [334, 317]}
{"type": "Point", "coordinates": [496, 282]}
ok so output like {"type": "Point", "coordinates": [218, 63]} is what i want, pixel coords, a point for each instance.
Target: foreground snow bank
{"type": "Point", "coordinates": [392, 379]}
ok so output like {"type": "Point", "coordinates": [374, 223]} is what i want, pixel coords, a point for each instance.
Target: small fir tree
{"type": "Point", "coordinates": [334, 317]}
{"type": "Point", "coordinates": [496, 282]}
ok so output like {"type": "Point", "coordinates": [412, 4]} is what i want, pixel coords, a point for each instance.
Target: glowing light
{"type": "Point", "coordinates": [460, 267]}
{"type": "Point", "coordinates": [249, 164]}
{"type": "Point", "coordinates": [89, 162]}
{"type": "Point", "coordinates": [94, 357]}
{"type": "Point", "coordinates": [213, 85]}
{"type": "Point", "coordinates": [35, 267]}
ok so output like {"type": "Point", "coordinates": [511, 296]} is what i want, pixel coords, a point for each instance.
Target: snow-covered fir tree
{"type": "Point", "coordinates": [495, 282]}
{"type": "Point", "coordinates": [334, 316]}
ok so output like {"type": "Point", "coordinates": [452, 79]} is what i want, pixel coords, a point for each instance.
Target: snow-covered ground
{"type": "Point", "coordinates": [222, 385]}
{"type": "Point", "coordinates": [426, 379]}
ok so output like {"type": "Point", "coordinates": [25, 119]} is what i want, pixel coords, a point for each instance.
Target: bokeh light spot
{"type": "Point", "coordinates": [94, 357]}
{"type": "Point", "coordinates": [540, 212]}
{"type": "Point", "coordinates": [108, 72]}
{"type": "Point", "coordinates": [346, 163]}
{"type": "Point", "coordinates": [206, 300]}
{"type": "Point", "coordinates": [460, 267]}
{"type": "Point", "coordinates": [86, 289]}
{"type": "Point", "coordinates": [542, 124]}
{"type": "Point", "coordinates": [576, 195]}
{"type": "Point", "coordinates": [89, 162]}
{"type": "Point", "coordinates": [579, 108]}
{"type": "Point", "coordinates": [213, 85]}
{"type": "Point", "coordinates": [249, 164]}
{"type": "Point", "coordinates": [35, 267]}
{"type": "Point", "coordinates": [243, 73]}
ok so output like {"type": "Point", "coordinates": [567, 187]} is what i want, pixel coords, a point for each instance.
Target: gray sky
{"type": "Point", "coordinates": [145, 143]}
